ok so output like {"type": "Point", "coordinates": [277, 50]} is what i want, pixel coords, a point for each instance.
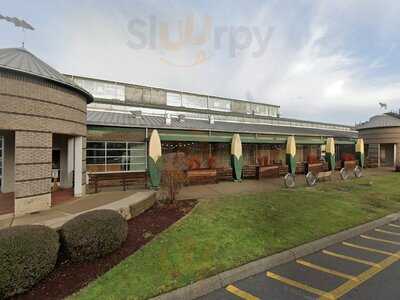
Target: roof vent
{"type": "Point", "coordinates": [181, 118]}
{"type": "Point", "coordinates": [168, 119]}
{"type": "Point", "coordinates": [137, 114]}
{"type": "Point", "coordinates": [211, 119]}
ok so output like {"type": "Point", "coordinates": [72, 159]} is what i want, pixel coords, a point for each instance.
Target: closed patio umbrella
{"type": "Point", "coordinates": [291, 154]}
{"type": "Point", "coordinates": [154, 159]}
{"type": "Point", "coordinates": [360, 152]}
{"type": "Point", "coordinates": [237, 157]}
{"type": "Point", "coordinates": [330, 153]}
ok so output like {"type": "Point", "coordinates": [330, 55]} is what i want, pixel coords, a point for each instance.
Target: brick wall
{"type": "Point", "coordinates": [35, 109]}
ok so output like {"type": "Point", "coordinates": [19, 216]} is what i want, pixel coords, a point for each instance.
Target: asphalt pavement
{"type": "Point", "coordinates": [364, 267]}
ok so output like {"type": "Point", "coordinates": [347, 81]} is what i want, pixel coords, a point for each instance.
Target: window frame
{"type": "Point", "coordinates": [128, 158]}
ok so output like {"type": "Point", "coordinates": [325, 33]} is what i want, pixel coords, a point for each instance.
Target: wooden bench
{"type": "Point", "coordinates": [267, 171]}
{"type": "Point", "coordinates": [201, 176]}
{"type": "Point", "coordinates": [250, 171]}
{"type": "Point", "coordinates": [224, 174]}
{"type": "Point", "coordinates": [124, 179]}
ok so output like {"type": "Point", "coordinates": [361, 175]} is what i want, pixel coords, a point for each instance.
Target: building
{"type": "Point", "coordinates": [48, 119]}
{"type": "Point", "coordinates": [381, 135]}
{"type": "Point", "coordinates": [42, 130]}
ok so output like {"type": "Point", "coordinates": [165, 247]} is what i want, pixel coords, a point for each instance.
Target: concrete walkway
{"type": "Point", "coordinates": [253, 186]}
{"type": "Point", "coordinates": [129, 204]}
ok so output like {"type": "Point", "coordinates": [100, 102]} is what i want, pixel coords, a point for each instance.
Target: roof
{"type": "Point", "coordinates": [21, 60]}
{"type": "Point", "coordinates": [380, 121]}
{"type": "Point", "coordinates": [103, 118]}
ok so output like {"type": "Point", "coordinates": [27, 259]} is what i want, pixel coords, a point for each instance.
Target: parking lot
{"type": "Point", "coordinates": [364, 267]}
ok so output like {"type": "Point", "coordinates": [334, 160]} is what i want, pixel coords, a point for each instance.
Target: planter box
{"type": "Point", "coordinates": [201, 176]}
{"type": "Point", "coordinates": [313, 167]}
{"type": "Point", "coordinates": [267, 171]}
{"type": "Point", "coordinates": [350, 164]}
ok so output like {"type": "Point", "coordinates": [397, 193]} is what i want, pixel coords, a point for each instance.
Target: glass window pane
{"type": "Point", "coordinates": [193, 101]}
{"type": "Point", "coordinates": [136, 167]}
{"type": "Point", "coordinates": [95, 160]}
{"type": "Point", "coordinates": [116, 160]}
{"type": "Point", "coordinates": [116, 145]}
{"type": "Point", "coordinates": [103, 90]}
{"type": "Point", "coordinates": [95, 152]}
{"type": "Point", "coordinates": [116, 152]}
{"type": "Point", "coordinates": [174, 99]}
{"type": "Point", "coordinates": [95, 145]}
{"type": "Point", "coordinates": [219, 104]}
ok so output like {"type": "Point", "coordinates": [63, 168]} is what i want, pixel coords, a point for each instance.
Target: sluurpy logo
{"type": "Point", "coordinates": [173, 39]}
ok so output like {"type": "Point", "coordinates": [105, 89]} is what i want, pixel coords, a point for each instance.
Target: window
{"type": "Point", "coordinates": [192, 101]}
{"type": "Point", "coordinates": [103, 90]}
{"type": "Point", "coordinates": [174, 99]}
{"type": "Point", "coordinates": [219, 104]}
{"type": "Point", "coordinates": [115, 157]}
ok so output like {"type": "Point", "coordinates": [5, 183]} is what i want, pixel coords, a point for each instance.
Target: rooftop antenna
{"type": "Point", "coordinates": [18, 23]}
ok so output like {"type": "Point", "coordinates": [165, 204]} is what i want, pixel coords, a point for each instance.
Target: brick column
{"type": "Point", "coordinates": [33, 158]}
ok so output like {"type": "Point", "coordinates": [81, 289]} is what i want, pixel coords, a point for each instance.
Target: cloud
{"type": "Point", "coordinates": [325, 60]}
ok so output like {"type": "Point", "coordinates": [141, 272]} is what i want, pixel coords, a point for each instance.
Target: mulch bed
{"type": "Point", "coordinates": [68, 278]}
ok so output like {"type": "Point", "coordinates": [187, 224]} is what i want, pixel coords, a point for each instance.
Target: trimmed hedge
{"type": "Point", "coordinates": [27, 254]}
{"type": "Point", "coordinates": [93, 234]}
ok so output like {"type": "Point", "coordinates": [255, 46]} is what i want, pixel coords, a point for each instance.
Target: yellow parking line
{"type": "Point", "coordinates": [349, 285]}
{"type": "Point", "coordinates": [350, 258]}
{"type": "Point", "coordinates": [326, 270]}
{"type": "Point", "coordinates": [387, 231]}
{"type": "Point", "coordinates": [241, 294]}
{"type": "Point", "coordinates": [302, 286]}
{"type": "Point", "coordinates": [394, 225]}
{"type": "Point", "coordinates": [368, 249]}
{"type": "Point", "coordinates": [379, 240]}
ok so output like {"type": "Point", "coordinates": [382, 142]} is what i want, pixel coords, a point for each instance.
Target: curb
{"type": "Point", "coordinates": [208, 285]}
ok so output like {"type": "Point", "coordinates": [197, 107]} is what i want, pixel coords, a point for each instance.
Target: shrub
{"type": "Point", "coordinates": [93, 234]}
{"type": "Point", "coordinates": [27, 254]}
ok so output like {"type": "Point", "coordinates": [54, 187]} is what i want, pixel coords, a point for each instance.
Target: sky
{"type": "Point", "coordinates": [325, 60]}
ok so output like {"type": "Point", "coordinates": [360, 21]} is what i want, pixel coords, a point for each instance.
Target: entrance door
{"type": "Point", "coordinates": [1, 162]}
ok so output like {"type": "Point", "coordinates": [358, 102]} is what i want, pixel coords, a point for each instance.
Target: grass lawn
{"type": "Point", "coordinates": [225, 233]}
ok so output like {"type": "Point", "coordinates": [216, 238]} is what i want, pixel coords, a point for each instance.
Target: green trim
{"type": "Point", "coordinates": [291, 163]}
{"type": "Point", "coordinates": [360, 159]}
{"type": "Point", "coordinates": [228, 138]}
{"type": "Point", "coordinates": [154, 172]}
{"type": "Point", "coordinates": [237, 167]}
{"type": "Point", "coordinates": [330, 158]}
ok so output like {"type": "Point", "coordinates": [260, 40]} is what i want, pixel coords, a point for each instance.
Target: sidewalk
{"type": "Point", "coordinates": [128, 203]}
{"type": "Point", "coordinates": [249, 186]}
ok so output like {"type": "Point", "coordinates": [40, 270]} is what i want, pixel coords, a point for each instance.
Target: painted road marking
{"type": "Point", "coordinates": [364, 276]}
{"type": "Point", "coordinates": [369, 249]}
{"type": "Point", "coordinates": [326, 270]}
{"type": "Point", "coordinates": [241, 294]}
{"type": "Point", "coordinates": [350, 258]}
{"type": "Point", "coordinates": [302, 286]}
{"type": "Point", "coordinates": [387, 231]}
{"type": "Point", "coordinates": [379, 240]}
{"type": "Point", "coordinates": [394, 225]}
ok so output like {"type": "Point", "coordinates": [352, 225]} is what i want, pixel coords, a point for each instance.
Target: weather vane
{"type": "Point", "coordinates": [18, 23]}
